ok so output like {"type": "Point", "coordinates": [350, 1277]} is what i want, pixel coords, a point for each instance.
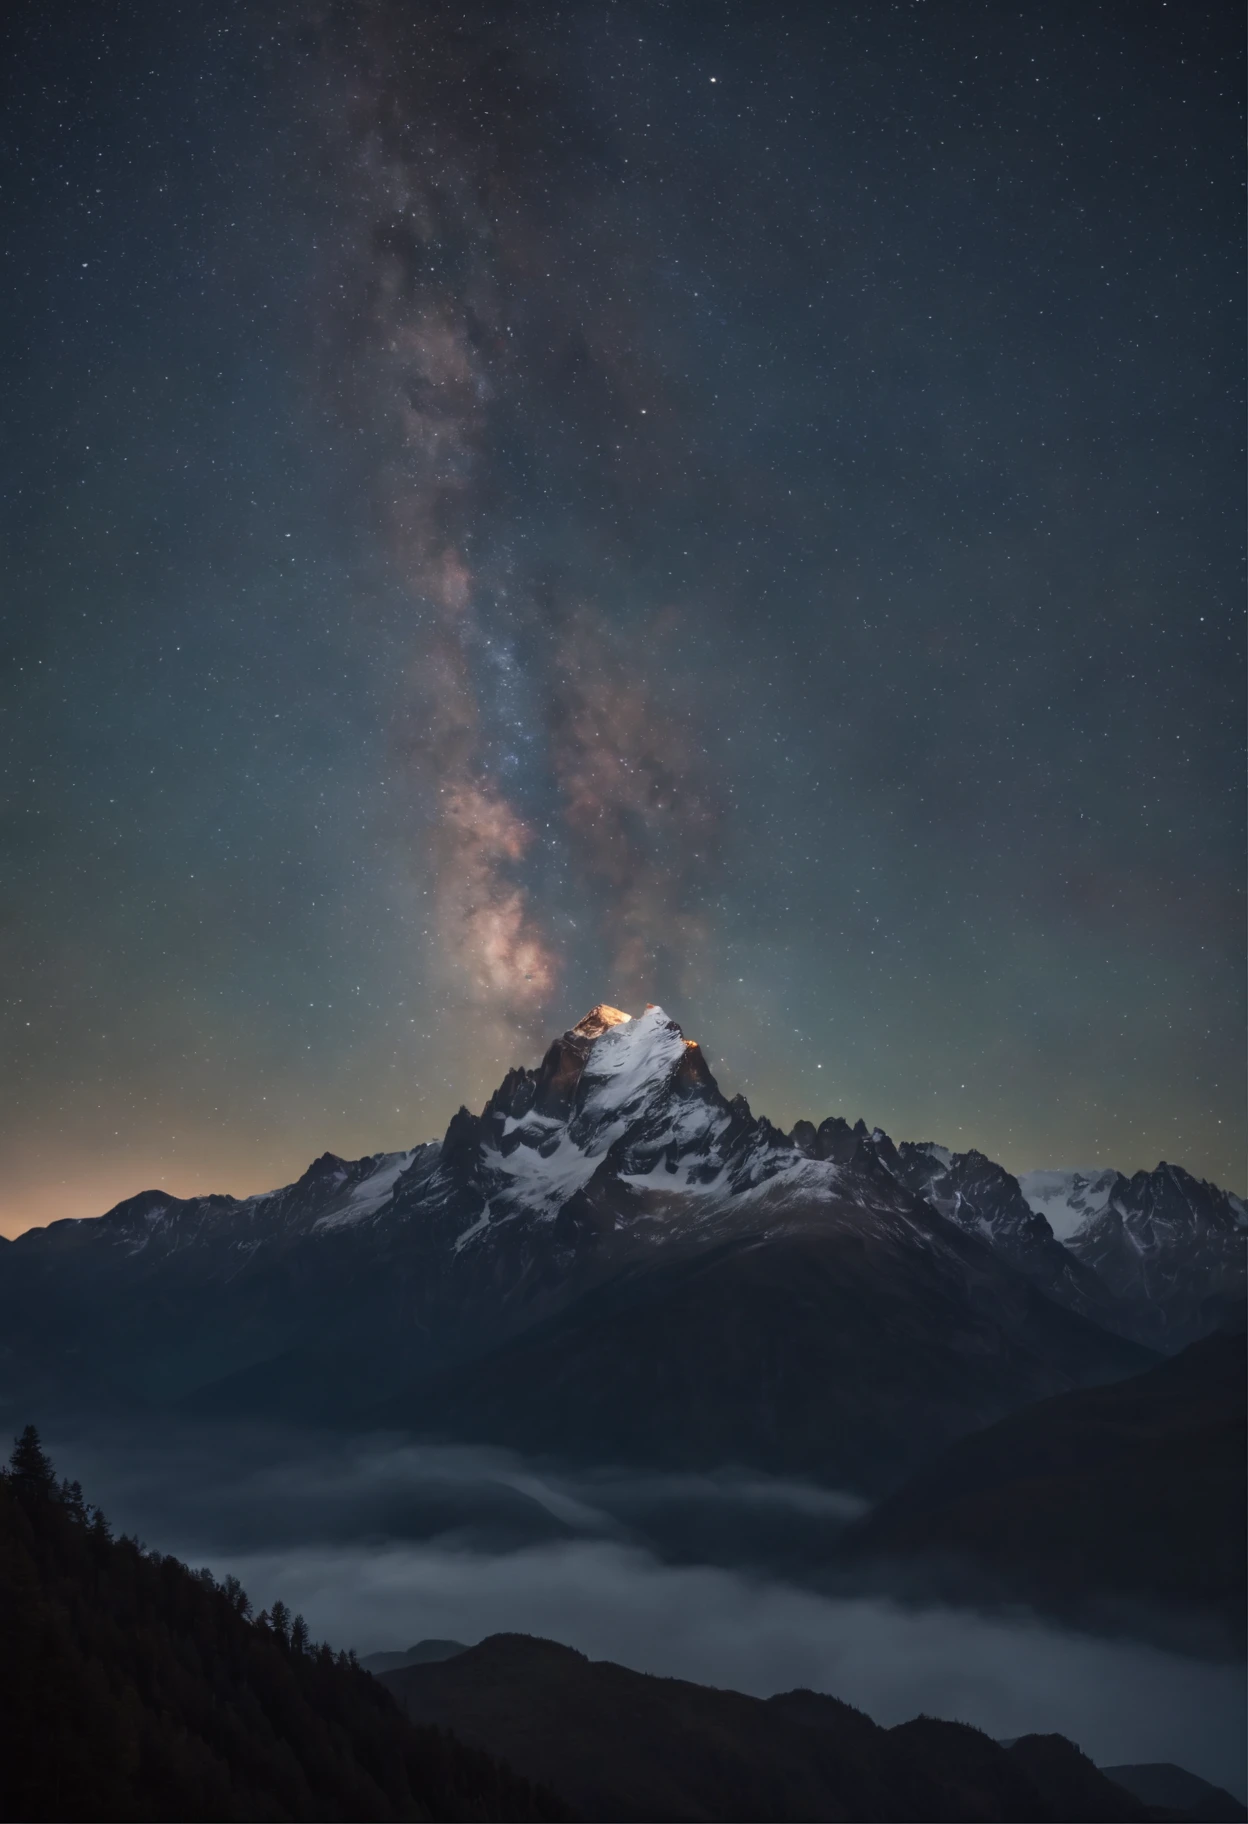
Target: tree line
{"type": "Point", "coordinates": [132, 1687]}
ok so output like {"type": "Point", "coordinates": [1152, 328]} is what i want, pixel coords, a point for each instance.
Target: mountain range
{"type": "Point", "coordinates": [613, 1261]}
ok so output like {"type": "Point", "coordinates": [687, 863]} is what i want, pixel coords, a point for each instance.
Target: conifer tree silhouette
{"type": "Point", "coordinates": [30, 1468]}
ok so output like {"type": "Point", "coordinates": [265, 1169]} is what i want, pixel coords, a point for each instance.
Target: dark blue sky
{"type": "Point", "coordinates": [510, 507]}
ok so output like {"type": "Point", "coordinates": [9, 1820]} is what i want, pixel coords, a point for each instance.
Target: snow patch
{"type": "Point", "coordinates": [546, 1183]}
{"type": "Point", "coordinates": [630, 1062]}
{"type": "Point", "coordinates": [375, 1189]}
{"type": "Point", "coordinates": [658, 1178]}
{"type": "Point", "coordinates": [628, 1070]}
{"type": "Point", "coordinates": [511, 1123]}
{"type": "Point", "coordinates": [1068, 1199]}
{"type": "Point", "coordinates": [466, 1235]}
{"type": "Point", "coordinates": [370, 1193]}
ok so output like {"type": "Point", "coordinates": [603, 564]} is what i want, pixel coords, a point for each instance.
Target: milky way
{"type": "Point", "coordinates": [459, 338]}
{"type": "Point", "coordinates": [515, 507]}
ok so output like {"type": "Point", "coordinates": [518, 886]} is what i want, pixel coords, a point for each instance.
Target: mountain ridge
{"type": "Point", "coordinates": [628, 1745]}
{"type": "Point", "coordinates": [968, 1188]}
{"type": "Point", "coordinates": [601, 1186]}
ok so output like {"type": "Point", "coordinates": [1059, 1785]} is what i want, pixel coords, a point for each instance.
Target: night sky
{"type": "Point", "coordinates": [734, 505]}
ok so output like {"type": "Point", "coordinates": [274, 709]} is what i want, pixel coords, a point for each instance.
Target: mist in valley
{"type": "Point", "coordinates": [725, 1580]}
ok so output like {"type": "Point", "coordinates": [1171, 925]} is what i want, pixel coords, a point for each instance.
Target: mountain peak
{"type": "Point", "coordinates": [600, 1019]}
{"type": "Point", "coordinates": [632, 1062]}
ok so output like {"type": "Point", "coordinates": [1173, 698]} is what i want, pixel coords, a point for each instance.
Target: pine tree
{"type": "Point", "coordinates": [236, 1596]}
{"type": "Point", "coordinates": [29, 1468]}
{"type": "Point", "coordinates": [71, 1499]}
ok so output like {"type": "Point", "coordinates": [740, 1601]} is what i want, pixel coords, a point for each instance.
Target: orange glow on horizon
{"type": "Point", "coordinates": [92, 1188]}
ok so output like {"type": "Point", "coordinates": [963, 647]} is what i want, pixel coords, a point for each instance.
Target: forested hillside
{"type": "Point", "coordinates": [134, 1688]}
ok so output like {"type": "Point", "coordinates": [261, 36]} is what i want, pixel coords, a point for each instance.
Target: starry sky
{"type": "Point", "coordinates": [505, 507]}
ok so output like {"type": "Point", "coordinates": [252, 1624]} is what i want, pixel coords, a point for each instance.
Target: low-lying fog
{"type": "Point", "coordinates": [380, 1543]}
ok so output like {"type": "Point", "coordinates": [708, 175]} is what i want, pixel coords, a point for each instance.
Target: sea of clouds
{"type": "Point", "coordinates": [380, 1543]}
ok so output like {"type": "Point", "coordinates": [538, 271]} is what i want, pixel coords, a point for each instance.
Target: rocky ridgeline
{"type": "Point", "coordinates": [607, 1206]}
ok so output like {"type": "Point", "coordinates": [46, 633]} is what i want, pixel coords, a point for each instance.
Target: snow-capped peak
{"type": "Point", "coordinates": [630, 1062]}
{"type": "Point", "coordinates": [617, 1072]}
{"type": "Point", "coordinates": [620, 1141]}
{"type": "Point", "coordinates": [600, 1019]}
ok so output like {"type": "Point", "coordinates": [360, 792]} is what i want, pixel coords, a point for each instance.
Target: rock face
{"type": "Point", "coordinates": [984, 1199]}
{"type": "Point", "coordinates": [614, 1258]}
{"type": "Point", "coordinates": [1172, 1247]}
{"type": "Point", "coordinates": [1159, 1257]}
{"type": "Point", "coordinates": [1068, 1200]}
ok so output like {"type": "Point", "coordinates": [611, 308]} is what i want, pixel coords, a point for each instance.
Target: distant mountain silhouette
{"type": "Point", "coordinates": [623, 1745]}
{"type": "Point", "coordinates": [1134, 1491]}
{"type": "Point", "coordinates": [424, 1653]}
{"type": "Point", "coordinates": [1161, 1783]}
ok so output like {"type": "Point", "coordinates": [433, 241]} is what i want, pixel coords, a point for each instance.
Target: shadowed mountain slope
{"type": "Point", "coordinates": [1132, 1491]}
{"type": "Point", "coordinates": [1186, 1794]}
{"type": "Point", "coordinates": [625, 1745]}
{"type": "Point", "coordinates": [815, 1344]}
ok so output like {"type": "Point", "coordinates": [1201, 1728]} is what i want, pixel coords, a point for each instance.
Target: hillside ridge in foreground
{"type": "Point", "coordinates": [628, 1745]}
